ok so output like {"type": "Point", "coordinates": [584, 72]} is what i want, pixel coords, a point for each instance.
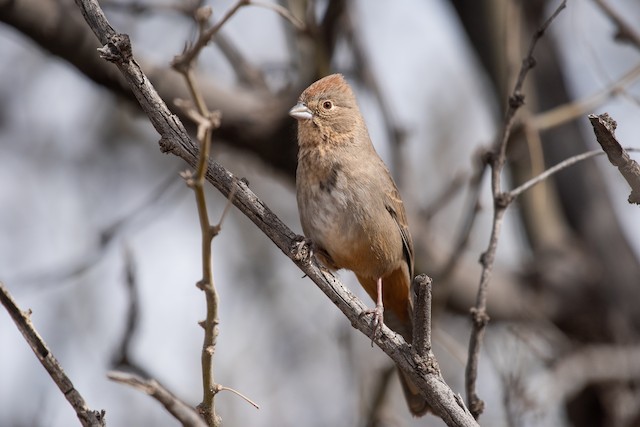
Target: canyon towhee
{"type": "Point", "coordinates": [350, 207]}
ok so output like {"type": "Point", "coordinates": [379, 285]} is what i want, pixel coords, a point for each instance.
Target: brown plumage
{"type": "Point", "coordinates": [350, 207]}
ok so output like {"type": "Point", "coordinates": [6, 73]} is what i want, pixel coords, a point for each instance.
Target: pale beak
{"type": "Point", "coordinates": [301, 112]}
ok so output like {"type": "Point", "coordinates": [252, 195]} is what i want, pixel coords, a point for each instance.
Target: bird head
{"type": "Point", "coordinates": [327, 111]}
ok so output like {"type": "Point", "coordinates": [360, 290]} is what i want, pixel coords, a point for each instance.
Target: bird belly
{"type": "Point", "coordinates": [333, 221]}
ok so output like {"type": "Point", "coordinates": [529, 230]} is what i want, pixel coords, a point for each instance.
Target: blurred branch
{"type": "Point", "coordinates": [501, 200]}
{"type": "Point", "coordinates": [364, 69]}
{"type": "Point", "coordinates": [22, 319]}
{"type": "Point", "coordinates": [589, 365]}
{"type": "Point", "coordinates": [380, 393]}
{"type": "Point", "coordinates": [174, 139]}
{"type": "Point", "coordinates": [58, 27]}
{"type": "Point", "coordinates": [184, 413]}
{"type": "Point", "coordinates": [472, 208]}
{"type": "Point", "coordinates": [122, 359]}
{"type": "Point", "coordinates": [567, 112]}
{"type": "Point", "coordinates": [138, 7]}
{"type": "Point", "coordinates": [206, 35]}
{"type": "Point", "coordinates": [625, 31]}
{"type": "Point", "coordinates": [604, 127]}
{"type": "Point", "coordinates": [109, 234]}
{"type": "Point", "coordinates": [446, 195]}
{"type": "Point", "coordinates": [282, 11]}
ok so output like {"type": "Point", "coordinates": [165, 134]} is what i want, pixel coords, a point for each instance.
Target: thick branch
{"type": "Point", "coordinates": [256, 121]}
{"type": "Point", "coordinates": [174, 139]}
{"type": "Point", "coordinates": [87, 417]}
{"type": "Point", "coordinates": [604, 127]}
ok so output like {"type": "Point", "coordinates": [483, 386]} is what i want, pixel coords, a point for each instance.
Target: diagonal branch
{"type": "Point", "coordinates": [87, 417]}
{"type": "Point", "coordinates": [184, 413]}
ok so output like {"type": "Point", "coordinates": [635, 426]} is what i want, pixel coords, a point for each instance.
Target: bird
{"type": "Point", "coordinates": [351, 210]}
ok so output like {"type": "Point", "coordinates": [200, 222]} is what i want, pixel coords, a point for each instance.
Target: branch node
{"type": "Point", "coordinates": [480, 317]}
{"type": "Point", "coordinates": [203, 285]}
{"type": "Point", "coordinates": [502, 200]}
{"type": "Point", "coordinates": [516, 100]}
{"type": "Point", "coordinates": [117, 50]}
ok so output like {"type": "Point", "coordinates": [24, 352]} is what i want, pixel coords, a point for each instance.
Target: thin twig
{"type": "Point", "coordinates": [380, 393]}
{"type": "Point", "coordinates": [206, 284]}
{"type": "Point", "coordinates": [472, 209]}
{"type": "Point", "coordinates": [446, 195]}
{"type": "Point", "coordinates": [184, 413]}
{"type": "Point", "coordinates": [122, 358]}
{"type": "Point", "coordinates": [22, 319]}
{"type": "Point", "coordinates": [220, 388]}
{"type": "Point", "coordinates": [282, 11]}
{"type": "Point", "coordinates": [501, 201]}
{"type": "Point", "coordinates": [604, 127]}
{"type": "Point", "coordinates": [186, 59]}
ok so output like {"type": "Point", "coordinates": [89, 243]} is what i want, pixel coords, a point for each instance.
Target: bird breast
{"type": "Point", "coordinates": [345, 216]}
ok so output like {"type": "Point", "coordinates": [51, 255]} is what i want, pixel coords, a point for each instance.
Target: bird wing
{"type": "Point", "coordinates": [396, 210]}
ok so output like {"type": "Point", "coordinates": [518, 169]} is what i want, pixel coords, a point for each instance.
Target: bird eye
{"type": "Point", "coordinates": [327, 105]}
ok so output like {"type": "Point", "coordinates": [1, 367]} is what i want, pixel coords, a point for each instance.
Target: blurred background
{"type": "Point", "coordinates": [100, 235]}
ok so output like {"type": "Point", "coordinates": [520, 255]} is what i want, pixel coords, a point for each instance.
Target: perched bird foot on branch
{"type": "Point", "coordinates": [302, 249]}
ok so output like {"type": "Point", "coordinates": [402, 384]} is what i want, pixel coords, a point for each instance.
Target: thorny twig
{"type": "Point", "coordinates": [501, 200]}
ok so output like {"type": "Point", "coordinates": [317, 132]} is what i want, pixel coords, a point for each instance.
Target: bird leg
{"type": "Point", "coordinates": [378, 312]}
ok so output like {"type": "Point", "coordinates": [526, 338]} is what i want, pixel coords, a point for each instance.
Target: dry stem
{"type": "Point", "coordinates": [501, 201]}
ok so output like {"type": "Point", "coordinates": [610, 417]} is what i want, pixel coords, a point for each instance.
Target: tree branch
{"type": "Point", "coordinates": [184, 413]}
{"type": "Point", "coordinates": [501, 201]}
{"type": "Point", "coordinates": [604, 127]}
{"type": "Point", "coordinates": [87, 417]}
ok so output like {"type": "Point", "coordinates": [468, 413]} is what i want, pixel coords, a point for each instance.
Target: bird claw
{"type": "Point", "coordinates": [377, 320]}
{"type": "Point", "coordinates": [302, 249]}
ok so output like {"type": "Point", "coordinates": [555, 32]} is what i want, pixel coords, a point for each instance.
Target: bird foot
{"type": "Point", "coordinates": [377, 320]}
{"type": "Point", "coordinates": [302, 249]}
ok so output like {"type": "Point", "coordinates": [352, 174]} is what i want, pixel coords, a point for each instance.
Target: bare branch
{"type": "Point", "coordinates": [87, 416]}
{"type": "Point", "coordinates": [422, 315]}
{"type": "Point", "coordinates": [501, 201]}
{"type": "Point", "coordinates": [589, 365]}
{"type": "Point", "coordinates": [220, 388]}
{"type": "Point", "coordinates": [567, 112]}
{"type": "Point", "coordinates": [184, 413]}
{"type": "Point", "coordinates": [604, 127]}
